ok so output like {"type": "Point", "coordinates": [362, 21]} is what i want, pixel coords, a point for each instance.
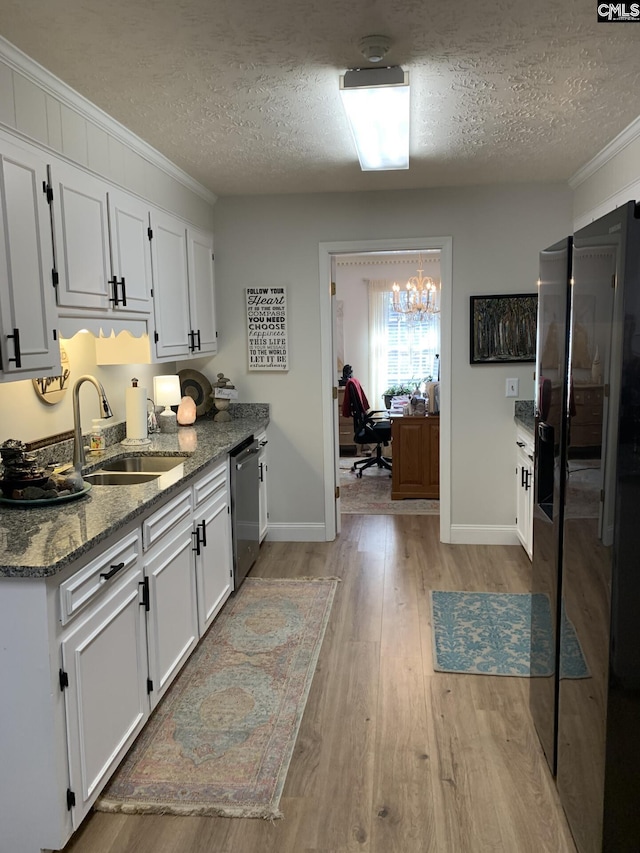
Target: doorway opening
{"type": "Point", "coordinates": [382, 252]}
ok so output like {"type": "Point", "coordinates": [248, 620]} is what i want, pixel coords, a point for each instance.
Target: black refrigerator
{"type": "Point", "coordinates": [587, 531]}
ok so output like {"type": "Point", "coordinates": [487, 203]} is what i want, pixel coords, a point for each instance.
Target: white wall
{"type": "Point", "coordinates": [497, 232]}
{"type": "Point", "coordinates": [24, 416]}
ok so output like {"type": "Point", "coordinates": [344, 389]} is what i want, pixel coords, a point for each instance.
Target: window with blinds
{"type": "Point", "coordinates": [413, 346]}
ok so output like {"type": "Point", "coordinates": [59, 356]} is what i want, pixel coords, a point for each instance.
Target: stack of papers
{"type": "Point", "coordinates": [398, 404]}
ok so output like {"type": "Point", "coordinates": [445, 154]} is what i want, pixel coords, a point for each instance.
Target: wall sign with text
{"type": "Point", "coordinates": [267, 328]}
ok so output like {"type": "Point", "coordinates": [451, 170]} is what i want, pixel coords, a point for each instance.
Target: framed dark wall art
{"type": "Point", "coordinates": [503, 328]}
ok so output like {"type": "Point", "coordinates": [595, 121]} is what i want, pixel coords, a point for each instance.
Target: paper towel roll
{"type": "Point", "coordinates": [135, 403]}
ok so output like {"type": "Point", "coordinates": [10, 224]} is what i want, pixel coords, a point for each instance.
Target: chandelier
{"type": "Point", "coordinates": [418, 300]}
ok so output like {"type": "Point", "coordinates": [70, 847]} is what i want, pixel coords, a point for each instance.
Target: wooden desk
{"type": "Point", "coordinates": [416, 457]}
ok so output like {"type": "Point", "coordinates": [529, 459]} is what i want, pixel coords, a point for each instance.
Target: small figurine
{"type": "Point", "coordinates": [223, 393]}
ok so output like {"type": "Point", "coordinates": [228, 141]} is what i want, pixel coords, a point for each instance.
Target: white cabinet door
{"type": "Point", "coordinates": [202, 308]}
{"type": "Point", "coordinates": [28, 347]}
{"type": "Point", "coordinates": [81, 237]}
{"type": "Point", "coordinates": [524, 494]}
{"type": "Point", "coordinates": [263, 469]}
{"type": "Point", "coordinates": [130, 253]}
{"type": "Point", "coordinates": [214, 559]}
{"type": "Point", "coordinates": [172, 620]}
{"type": "Point", "coordinates": [170, 286]}
{"type": "Point", "coordinates": [105, 661]}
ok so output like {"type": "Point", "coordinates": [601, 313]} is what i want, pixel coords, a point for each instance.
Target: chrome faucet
{"type": "Point", "coordinates": [78, 447]}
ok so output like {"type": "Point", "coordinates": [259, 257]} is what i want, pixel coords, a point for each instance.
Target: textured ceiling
{"type": "Point", "coordinates": [243, 94]}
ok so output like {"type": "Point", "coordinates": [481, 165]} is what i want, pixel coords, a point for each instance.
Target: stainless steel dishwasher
{"type": "Point", "coordinates": [245, 508]}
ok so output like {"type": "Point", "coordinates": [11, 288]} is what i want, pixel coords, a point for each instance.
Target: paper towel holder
{"type": "Point", "coordinates": [167, 393]}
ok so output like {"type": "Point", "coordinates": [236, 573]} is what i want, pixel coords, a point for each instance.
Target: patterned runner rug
{"type": "Point", "coordinates": [371, 494]}
{"type": "Point", "coordinates": [220, 741]}
{"type": "Point", "coordinates": [489, 633]}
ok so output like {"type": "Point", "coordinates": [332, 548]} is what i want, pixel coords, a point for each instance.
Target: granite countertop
{"type": "Point", "coordinates": [524, 414]}
{"type": "Point", "coordinates": [39, 542]}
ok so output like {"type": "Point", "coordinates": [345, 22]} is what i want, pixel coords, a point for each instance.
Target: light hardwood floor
{"type": "Point", "coordinates": [391, 757]}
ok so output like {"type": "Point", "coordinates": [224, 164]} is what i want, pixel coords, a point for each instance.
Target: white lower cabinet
{"type": "Point", "coordinates": [524, 491]}
{"type": "Point", "coordinates": [172, 610]}
{"type": "Point", "coordinates": [95, 649]}
{"type": "Point", "coordinates": [212, 536]}
{"type": "Point", "coordinates": [263, 469]}
{"type": "Point", "coordinates": [103, 673]}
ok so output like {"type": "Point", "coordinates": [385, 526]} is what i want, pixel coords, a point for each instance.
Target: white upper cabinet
{"type": "Point", "coordinates": [81, 229]}
{"type": "Point", "coordinates": [183, 289]}
{"type": "Point", "coordinates": [170, 286]}
{"type": "Point", "coordinates": [102, 245]}
{"type": "Point", "coordinates": [201, 292]}
{"type": "Point", "coordinates": [28, 347]}
{"type": "Point", "coordinates": [130, 255]}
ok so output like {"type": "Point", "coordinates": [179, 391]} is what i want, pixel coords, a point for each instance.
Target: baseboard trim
{"type": "Point", "coordinates": [486, 534]}
{"type": "Point", "coordinates": [296, 533]}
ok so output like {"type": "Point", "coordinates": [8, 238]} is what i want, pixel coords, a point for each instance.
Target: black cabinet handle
{"type": "Point", "coordinates": [16, 347]}
{"type": "Point", "coordinates": [192, 344]}
{"type": "Point", "coordinates": [113, 570]}
{"type": "Point", "coordinates": [198, 334]}
{"type": "Point", "coordinates": [260, 466]}
{"type": "Point", "coordinates": [114, 289]}
{"type": "Point", "coordinates": [200, 539]}
{"type": "Point", "coordinates": [115, 284]}
{"type": "Point", "coordinates": [527, 479]}
{"type": "Point", "coordinates": [196, 533]}
{"type": "Point", "coordinates": [520, 443]}
{"type": "Point", "coordinates": [145, 593]}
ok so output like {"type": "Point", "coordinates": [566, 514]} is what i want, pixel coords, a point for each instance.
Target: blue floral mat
{"type": "Point", "coordinates": [489, 633]}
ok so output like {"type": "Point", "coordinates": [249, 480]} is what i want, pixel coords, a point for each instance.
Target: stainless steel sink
{"type": "Point", "coordinates": [147, 464]}
{"type": "Point", "coordinates": [119, 478]}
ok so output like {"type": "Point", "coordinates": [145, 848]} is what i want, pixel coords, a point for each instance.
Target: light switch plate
{"type": "Point", "coordinates": [512, 388]}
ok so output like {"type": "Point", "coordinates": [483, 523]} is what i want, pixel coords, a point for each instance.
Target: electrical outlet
{"type": "Point", "coordinates": [512, 388]}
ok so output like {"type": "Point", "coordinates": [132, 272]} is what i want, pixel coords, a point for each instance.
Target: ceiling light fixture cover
{"type": "Point", "coordinates": [376, 101]}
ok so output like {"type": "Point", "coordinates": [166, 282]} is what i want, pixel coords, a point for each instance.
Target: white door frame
{"type": "Point", "coordinates": [327, 332]}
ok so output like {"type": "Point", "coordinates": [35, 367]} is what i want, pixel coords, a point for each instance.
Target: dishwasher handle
{"type": "Point", "coordinates": [245, 458]}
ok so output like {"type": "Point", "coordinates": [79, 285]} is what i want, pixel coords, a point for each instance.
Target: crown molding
{"type": "Point", "coordinates": [387, 260]}
{"type": "Point", "coordinates": [52, 85]}
{"type": "Point", "coordinates": [617, 144]}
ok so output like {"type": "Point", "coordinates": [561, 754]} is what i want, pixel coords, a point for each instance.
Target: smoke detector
{"type": "Point", "coordinates": [374, 48]}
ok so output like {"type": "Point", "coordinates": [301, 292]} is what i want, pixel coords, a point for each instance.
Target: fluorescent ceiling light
{"type": "Point", "coordinates": [376, 101]}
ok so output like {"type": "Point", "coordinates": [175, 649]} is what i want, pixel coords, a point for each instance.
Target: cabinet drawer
{"type": "Point", "coordinates": [82, 588]}
{"type": "Point", "coordinates": [588, 396]}
{"type": "Point", "coordinates": [171, 514]}
{"type": "Point", "coordinates": [210, 483]}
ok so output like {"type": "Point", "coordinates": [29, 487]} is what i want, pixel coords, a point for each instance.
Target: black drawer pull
{"type": "Point", "coordinates": [16, 346]}
{"type": "Point", "coordinates": [114, 569]}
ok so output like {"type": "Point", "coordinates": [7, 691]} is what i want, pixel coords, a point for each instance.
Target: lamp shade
{"type": "Point", "coordinates": [166, 390]}
{"type": "Point", "coordinates": [376, 101]}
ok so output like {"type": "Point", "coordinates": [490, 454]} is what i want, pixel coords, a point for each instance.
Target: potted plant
{"type": "Point", "coordinates": [396, 391]}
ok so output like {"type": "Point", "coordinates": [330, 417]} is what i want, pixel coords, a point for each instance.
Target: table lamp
{"type": "Point", "coordinates": [167, 392]}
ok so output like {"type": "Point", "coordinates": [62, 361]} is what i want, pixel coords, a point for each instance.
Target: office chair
{"type": "Point", "coordinates": [366, 428]}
